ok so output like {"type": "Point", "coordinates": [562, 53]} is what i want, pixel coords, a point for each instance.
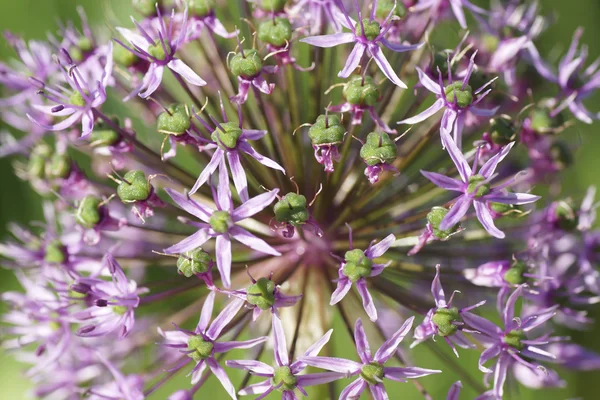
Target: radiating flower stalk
{"type": "Point", "coordinates": [213, 207]}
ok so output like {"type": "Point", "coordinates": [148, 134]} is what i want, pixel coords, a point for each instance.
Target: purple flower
{"type": "Point", "coordinates": [370, 371]}
{"type": "Point", "coordinates": [264, 295]}
{"type": "Point", "coordinates": [316, 13]}
{"type": "Point", "coordinates": [114, 302]}
{"type": "Point", "coordinates": [210, 22]}
{"type": "Point", "coordinates": [356, 267]}
{"type": "Point", "coordinates": [130, 387]}
{"type": "Point", "coordinates": [250, 76]}
{"type": "Point", "coordinates": [367, 36]}
{"type": "Point", "coordinates": [284, 376]}
{"type": "Point", "coordinates": [159, 48]}
{"type": "Point", "coordinates": [510, 344]}
{"type": "Point", "coordinates": [454, 391]}
{"type": "Point", "coordinates": [437, 7]}
{"type": "Point", "coordinates": [201, 344]}
{"type": "Point", "coordinates": [476, 188]}
{"type": "Point", "coordinates": [222, 224]}
{"type": "Point", "coordinates": [230, 141]}
{"type": "Point", "coordinates": [77, 103]}
{"type": "Point", "coordinates": [444, 319]}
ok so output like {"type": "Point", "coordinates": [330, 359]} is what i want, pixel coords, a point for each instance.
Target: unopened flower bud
{"type": "Point", "coordinates": [174, 122]}
{"type": "Point", "coordinates": [202, 348]}
{"type": "Point", "coordinates": [463, 96]}
{"type": "Point", "coordinates": [514, 275]}
{"type": "Point", "coordinates": [477, 186]}
{"type": "Point", "coordinates": [104, 137]}
{"type": "Point", "coordinates": [514, 339]}
{"type": "Point", "coordinates": [55, 252]}
{"type": "Point", "coordinates": [134, 187]}
{"type": "Point", "coordinates": [124, 57]}
{"type": "Point", "coordinates": [444, 319]}
{"type": "Point", "coordinates": [378, 149]}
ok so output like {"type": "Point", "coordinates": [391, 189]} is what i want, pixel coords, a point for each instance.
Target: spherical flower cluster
{"type": "Point", "coordinates": [193, 138]}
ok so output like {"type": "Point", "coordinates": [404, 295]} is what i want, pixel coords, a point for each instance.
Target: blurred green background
{"type": "Point", "coordinates": [33, 18]}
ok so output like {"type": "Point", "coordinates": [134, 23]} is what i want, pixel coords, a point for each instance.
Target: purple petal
{"type": "Point", "coordinates": [186, 72]}
{"type": "Point", "coordinates": [362, 344]}
{"type": "Point", "coordinates": [437, 290]}
{"type": "Point", "coordinates": [487, 355]}
{"type": "Point", "coordinates": [254, 205]}
{"type": "Point", "coordinates": [87, 124]}
{"type": "Point", "coordinates": [367, 300]}
{"type": "Point", "coordinates": [458, 210]}
{"type": "Point", "coordinates": [152, 80]}
{"type": "Point", "coordinates": [457, 157]}
{"type": "Point", "coordinates": [500, 374]}
{"type": "Point", "coordinates": [189, 243]}
{"type": "Point", "coordinates": [197, 371]}
{"type": "Point", "coordinates": [429, 83]}
{"type": "Point", "coordinates": [488, 169]}
{"type": "Point", "coordinates": [257, 367]}
{"type": "Point", "coordinates": [318, 378]}
{"type": "Point", "coordinates": [223, 347]}
{"type": "Point", "coordinates": [380, 248]}
{"type": "Point", "coordinates": [509, 308]}
{"type": "Point", "coordinates": [223, 198]}
{"type": "Point", "coordinates": [224, 259]}
{"type": "Point", "coordinates": [342, 289]}
{"type": "Point", "coordinates": [512, 198]}
{"type": "Point", "coordinates": [257, 388]}
{"type": "Point", "coordinates": [459, 13]}
{"type": "Point", "coordinates": [318, 345]}
{"type": "Point", "coordinates": [385, 66]}
{"type": "Point", "coordinates": [239, 175]}
{"type": "Point", "coordinates": [400, 48]}
{"type": "Point", "coordinates": [485, 217]}
{"type": "Point", "coordinates": [482, 112]}
{"type": "Point", "coordinates": [454, 391]}
{"type": "Point", "coordinates": [221, 375]}
{"type": "Point", "coordinates": [206, 313]}
{"type": "Point", "coordinates": [507, 51]}
{"type": "Point", "coordinates": [249, 240]}
{"type": "Point", "coordinates": [280, 348]}
{"type": "Point", "coordinates": [481, 324]}
{"type": "Point", "coordinates": [208, 170]}
{"type": "Point", "coordinates": [62, 125]}
{"type": "Point", "coordinates": [408, 372]}
{"type": "Point", "coordinates": [422, 116]}
{"type": "Point", "coordinates": [353, 390]}
{"type": "Point", "coordinates": [389, 347]}
{"type": "Point", "coordinates": [224, 317]}
{"type": "Point", "coordinates": [329, 40]}
{"type": "Point", "coordinates": [353, 60]}
{"type": "Point", "coordinates": [196, 209]}
{"type": "Point", "coordinates": [443, 181]}
{"type": "Point", "coordinates": [267, 162]}
{"type": "Point", "coordinates": [378, 391]}
{"type": "Point", "coordinates": [333, 364]}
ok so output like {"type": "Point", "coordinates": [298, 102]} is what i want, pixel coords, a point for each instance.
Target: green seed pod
{"type": "Point", "coordinates": [273, 5]}
{"type": "Point", "coordinates": [220, 221]}
{"type": "Point", "coordinates": [443, 318]}
{"type": "Point", "coordinates": [124, 57]}
{"type": "Point", "coordinates": [202, 349]}
{"type": "Point", "coordinates": [36, 166]}
{"type": "Point", "coordinates": [175, 122]}
{"type": "Point", "coordinates": [378, 149]}
{"type": "Point", "coordinates": [372, 372]}
{"type": "Point", "coordinates": [55, 252]}
{"type": "Point", "coordinates": [361, 93]}
{"type": "Point", "coordinates": [76, 54]}
{"type": "Point", "coordinates": [193, 262]}
{"type": "Point", "coordinates": [384, 7]}
{"type": "Point", "coordinates": [327, 130]}
{"type": "Point", "coordinates": [476, 186]}
{"type": "Point", "coordinates": [200, 8]}
{"type": "Point", "coordinates": [507, 210]}
{"type": "Point", "coordinates": [357, 265]}
{"type": "Point", "coordinates": [158, 51]}
{"type": "Point", "coordinates": [514, 339]}
{"type": "Point", "coordinates": [226, 135]}
{"type": "Point", "coordinates": [566, 215]}
{"type": "Point", "coordinates": [514, 275]}
{"type": "Point", "coordinates": [283, 379]}
{"type": "Point", "coordinates": [503, 131]}
{"type": "Point", "coordinates": [464, 96]}
{"type": "Point", "coordinates": [276, 32]}
{"type": "Point", "coordinates": [134, 187]}
{"type": "Point", "coordinates": [292, 209]}
{"type": "Point", "coordinates": [542, 122]}
{"type": "Point", "coordinates": [561, 155]}
{"type": "Point", "coordinates": [88, 212]}
{"type": "Point", "coordinates": [85, 44]}
{"type": "Point", "coordinates": [104, 137]}
{"type": "Point", "coordinates": [372, 29]}
{"type": "Point", "coordinates": [76, 99]}
{"type": "Point", "coordinates": [435, 217]}
{"type": "Point", "coordinates": [58, 167]}
{"type": "Point", "coordinates": [261, 294]}
{"type": "Point", "coordinates": [248, 65]}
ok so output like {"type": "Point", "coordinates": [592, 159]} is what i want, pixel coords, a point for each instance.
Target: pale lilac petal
{"type": "Point", "coordinates": [253, 134]}
{"type": "Point", "coordinates": [133, 38]}
{"type": "Point", "coordinates": [196, 209]}
{"type": "Point", "coordinates": [206, 313]}
{"type": "Point", "coordinates": [509, 308]}
{"type": "Point", "coordinates": [488, 169]}
{"type": "Point", "coordinates": [511, 198]}
{"type": "Point", "coordinates": [353, 60]}
{"type": "Point", "coordinates": [254, 205]}
{"type": "Point", "coordinates": [454, 392]}
{"type": "Point", "coordinates": [257, 388]}
{"type": "Point", "coordinates": [429, 83]}
{"type": "Point", "coordinates": [60, 126]}
{"type": "Point", "coordinates": [152, 80]}
{"type": "Point", "coordinates": [223, 347]}
{"type": "Point", "coordinates": [223, 249]}
{"type": "Point", "coordinates": [459, 13]}
{"type": "Point", "coordinates": [581, 113]}
{"type": "Point", "coordinates": [318, 378]}
{"type": "Point", "coordinates": [400, 48]}
{"type": "Point", "coordinates": [239, 175]}
{"type": "Point", "coordinates": [443, 181]}
{"type": "Point", "coordinates": [458, 210]}
{"type": "Point", "coordinates": [463, 167]}
{"type": "Point", "coordinates": [487, 355]}
{"type": "Point", "coordinates": [380, 248]}
{"type": "Point", "coordinates": [255, 243]}
{"type": "Point", "coordinates": [481, 324]}
{"type": "Point", "coordinates": [434, 108]}
{"type": "Point", "coordinates": [362, 344]}
{"type": "Point", "coordinates": [343, 287]}
{"type": "Point", "coordinates": [484, 216]}
{"type": "Point", "coordinates": [197, 371]}
{"type": "Point", "coordinates": [353, 390]}
{"type": "Point", "coordinates": [267, 162]}
{"type": "Point", "coordinates": [482, 112]}
{"type": "Point", "coordinates": [378, 391]}
{"type": "Point", "coordinates": [408, 372]}
{"type": "Point", "coordinates": [540, 65]}
{"type": "Point", "coordinates": [500, 374]}
{"type": "Point", "coordinates": [189, 243]}
{"type": "Point", "coordinates": [208, 170]}
{"type": "Point", "coordinates": [385, 66]}
{"type": "Point", "coordinates": [186, 72]}
{"type": "Point", "coordinates": [318, 345]}
{"type": "Point", "coordinates": [367, 300]}
{"type": "Point", "coordinates": [507, 51]}
{"type": "Point", "coordinates": [221, 375]}
{"type": "Point", "coordinates": [280, 347]}
{"type": "Point", "coordinates": [48, 110]}
{"type": "Point", "coordinates": [257, 367]}
{"type": "Point", "coordinates": [224, 317]}
{"type": "Point", "coordinates": [437, 290]}
{"type": "Point", "coordinates": [333, 364]}
{"type": "Point", "coordinates": [329, 40]}
{"type": "Point", "coordinates": [223, 199]}
{"type": "Point", "coordinates": [389, 347]}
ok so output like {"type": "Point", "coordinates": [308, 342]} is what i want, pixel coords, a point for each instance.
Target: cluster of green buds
{"type": "Point", "coordinates": [361, 91]}
{"type": "Point", "coordinates": [445, 319]}
{"type": "Point", "coordinates": [194, 262]}
{"type": "Point", "coordinates": [368, 29]}
{"type": "Point", "coordinates": [276, 32]}
{"type": "Point", "coordinates": [462, 93]}
{"type": "Point", "coordinates": [199, 348]}
{"type": "Point", "coordinates": [292, 209]}
{"type": "Point", "coordinates": [175, 120]}
{"type": "Point", "coordinates": [44, 163]}
{"type": "Point", "coordinates": [435, 218]}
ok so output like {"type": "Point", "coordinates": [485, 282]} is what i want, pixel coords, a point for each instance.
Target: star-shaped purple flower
{"type": "Point", "coordinates": [367, 35]}
{"type": "Point", "coordinates": [436, 7]}
{"type": "Point", "coordinates": [356, 267]}
{"type": "Point", "coordinates": [476, 189]}
{"type": "Point", "coordinates": [370, 371]}
{"type": "Point", "coordinates": [284, 376]}
{"type": "Point", "coordinates": [201, 344]}
{"type": "Point", "coordinates": [222, 224]}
